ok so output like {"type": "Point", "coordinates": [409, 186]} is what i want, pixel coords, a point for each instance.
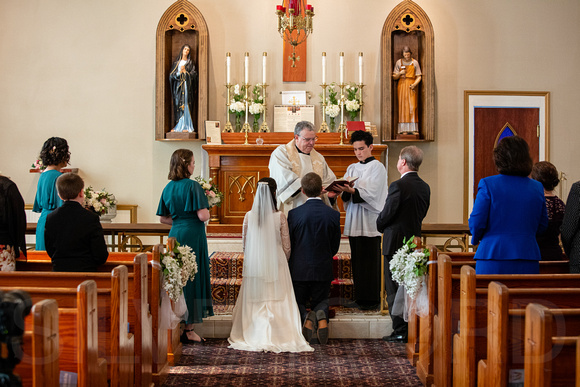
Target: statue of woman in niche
{"type": "Point", "coordinates": [408, 73]}
{"type": "Point", "coordinates": [183, 83]}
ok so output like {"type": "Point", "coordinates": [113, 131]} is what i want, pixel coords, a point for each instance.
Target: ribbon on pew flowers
{"type": "Point", "coordinates": [409, 268]}
{"type": "Point", "coordinates": [178, 267]}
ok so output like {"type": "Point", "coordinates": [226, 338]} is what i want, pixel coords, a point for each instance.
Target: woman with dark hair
{"type": "Point", "coordinates": [55, 155]}
{"type": "Point", "coordinates": [546, 173]}
{"type": "Point", "coordinates": [184, 206]}
{"type": "Point", "coordinates": [266, 316]}
{"type": "Point", "coordinates": [183, 82]}
{"type": "Point", "coordinates": [12, 224]}
{"type": "Point", "coordinates": [509, 211]}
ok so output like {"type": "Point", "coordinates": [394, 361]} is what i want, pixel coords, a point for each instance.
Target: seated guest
{"type": "Point", "coordinates": [74, 235]}
{"type": "Point", "coordinates": [571, 228]}
{"type": "Point", "coordinates": [509, 211]}
{"type": "Point", "coordinates": [12, 224]}
{"type": "Point", "coordinates": [549, 242]}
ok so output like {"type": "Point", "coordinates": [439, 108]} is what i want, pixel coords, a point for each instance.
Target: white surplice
{"type": "Point", "coordinates": [361, 218]}
{"type": "Point", "coordinates": [266, 316]}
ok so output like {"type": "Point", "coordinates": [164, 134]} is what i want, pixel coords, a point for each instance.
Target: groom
{"type": "Point", "coordinates": [315, 237]}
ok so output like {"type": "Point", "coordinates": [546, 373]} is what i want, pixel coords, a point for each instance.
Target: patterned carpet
{"type": "Point", "coordinates": [339, 363]}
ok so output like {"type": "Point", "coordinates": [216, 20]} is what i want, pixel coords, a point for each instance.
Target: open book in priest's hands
{"type": "Point", "coordinates": [341, 182]}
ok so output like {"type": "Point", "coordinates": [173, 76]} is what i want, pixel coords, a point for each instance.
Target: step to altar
{"type": "Point", "coordinates": [233, 243]}
{"type": "Point", "coordinates": [342, 326]}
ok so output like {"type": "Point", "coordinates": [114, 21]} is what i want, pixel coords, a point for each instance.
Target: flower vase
{"type": "Point", "coordinates": [238, 127]}
{"type": "Point", "coordinates": [256, 124]}
{"type": "Point", "coordinates": [110, 215]}
{"type": "Point", "coordinates": [332, 125]}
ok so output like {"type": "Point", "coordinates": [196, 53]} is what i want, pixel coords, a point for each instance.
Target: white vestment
{"type": "Point", "coordinates": [361, 218]}
{"type": "Point", "coordinates": [287, 166]}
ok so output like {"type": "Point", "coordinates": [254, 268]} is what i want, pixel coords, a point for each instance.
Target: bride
{"type": "Point", "coordinates": [266, 316]}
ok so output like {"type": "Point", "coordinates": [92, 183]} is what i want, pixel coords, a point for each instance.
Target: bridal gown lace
{"type": "Point", "coordinates": [272, 324]}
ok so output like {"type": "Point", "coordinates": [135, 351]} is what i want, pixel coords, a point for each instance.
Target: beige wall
{"type": "Point", "coordinates": [85, 70]}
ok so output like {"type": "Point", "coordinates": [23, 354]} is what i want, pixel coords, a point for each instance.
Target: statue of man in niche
{"type": "Point", "coordinates": [183, 83]}
{"type": "Point", "coordinates": [408, 73]}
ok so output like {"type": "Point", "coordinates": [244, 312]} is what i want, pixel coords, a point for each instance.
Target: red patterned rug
{"type": "Point", "coordinates": [339, 363]}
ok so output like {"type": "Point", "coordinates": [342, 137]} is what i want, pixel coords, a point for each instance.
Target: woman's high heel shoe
{"type": "Point", "coordinates": [186, 340]}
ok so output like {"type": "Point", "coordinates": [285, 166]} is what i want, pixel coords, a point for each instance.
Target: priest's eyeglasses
{"type": "Point", "coordinates": [311, 140]}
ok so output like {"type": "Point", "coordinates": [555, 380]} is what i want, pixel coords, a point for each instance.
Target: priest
{"type": "Point", "coordinates": [290, 162]}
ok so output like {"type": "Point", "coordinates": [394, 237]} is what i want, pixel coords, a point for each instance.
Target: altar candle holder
{"type": "Point", "coordinates": [323, 126]}
{"type": "Point", "coordinates": [360, 98]}
{"type": "Point", "coordinates": [228, 128]}
{"type": "Point", "coordinates": [342, 126]}
{"type": "Point", "coordinates": [264, 126]}
{"type": "Point", "coordinates": [246, 127]}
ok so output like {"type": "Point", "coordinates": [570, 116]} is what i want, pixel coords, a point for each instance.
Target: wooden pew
{"type": "Point", "coordinates": [505, 326]}
{"type": "Point", "coordinates": [139, 316]}
{"type": "Point", "coordinates": [116, 344]}
{"type": "Point", "coordinates": [77, 338]}
{"type": "Point", "coordinates": [551, 354]}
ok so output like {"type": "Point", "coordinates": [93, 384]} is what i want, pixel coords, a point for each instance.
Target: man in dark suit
{"type": "Point", "coordinates": [405, 208]}
{"type": "Point", "coordinates": [315, 237]}
{"type": "Point", "coordinates": [74, 235]}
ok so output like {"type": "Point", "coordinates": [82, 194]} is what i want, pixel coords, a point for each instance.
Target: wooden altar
{"type": "Point", "coordinates": [236, 168]}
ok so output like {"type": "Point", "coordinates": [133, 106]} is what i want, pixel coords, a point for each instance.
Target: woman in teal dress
{"type": "Point", "coordinates": [184, 206]}
{"type": "Point", "coordinates": [55, 155]}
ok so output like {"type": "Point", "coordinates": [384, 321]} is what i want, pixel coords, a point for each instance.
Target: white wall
{"type": "Point", "coordinates": [85, 71]}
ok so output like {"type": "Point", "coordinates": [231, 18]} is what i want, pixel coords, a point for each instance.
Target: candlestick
{"type": "Point", "coordinates": [341, 68]}
{"type": "Point", "coordinates": [323, 68]}
{"type": "Point", "coordinates": [228, 66]}
{"type": "Point", "coordinates": [246, 67]}
{"type": "Point", "coordinates": [264, 56]}
{"type": "Point", "coordinates": [360, 67]}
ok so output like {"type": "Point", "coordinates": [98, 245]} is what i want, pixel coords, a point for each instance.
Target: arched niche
{"type": "Point", "coordinates": [407, 25]}
{"type": "Point", "coordinates": [180, 24]}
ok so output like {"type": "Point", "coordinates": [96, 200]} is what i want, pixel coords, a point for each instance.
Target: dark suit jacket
{"type": "Point", "coordinates": [405, 208]}
{"type": "Point", "coordinates": [571, 228]}
{"type": "Point", "coordinates": [74, 239]}
{"type": "Point", "coordinates": [315, 237]}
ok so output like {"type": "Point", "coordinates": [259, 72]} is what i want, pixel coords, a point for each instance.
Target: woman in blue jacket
{"type": "Point", "coordinates": [509, 211]}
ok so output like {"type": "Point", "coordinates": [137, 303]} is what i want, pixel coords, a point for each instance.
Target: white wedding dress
{"type": "Point", "coordinates": [266, 316]}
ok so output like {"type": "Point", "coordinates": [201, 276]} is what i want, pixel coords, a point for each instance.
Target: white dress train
{"type": "Point", "coordinates": [273, 324]}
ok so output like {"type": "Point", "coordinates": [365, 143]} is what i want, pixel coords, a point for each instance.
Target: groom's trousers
{"type": "Point", "coordinates": [314, 292]}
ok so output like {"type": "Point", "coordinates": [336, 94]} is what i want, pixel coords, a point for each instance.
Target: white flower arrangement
{"type": "Point", "coordinates": [332, 110]}
{"type": "Point", "coordinates": [214, 195]}
{"type": "Point", "coordinates": [237, 107]}
{"type": "Point", "coordinates": [409, 267]}
{"type": "Point", "coordinates": [256, 108]}
{"type": "Point", "coordinates": [179, 266]}
{"type": "Point", "coordinates": [237, 89]}
{"type": "Point", "coordinates": [352, 105]}
{"type": "Point", "coordinates": [99, 201]}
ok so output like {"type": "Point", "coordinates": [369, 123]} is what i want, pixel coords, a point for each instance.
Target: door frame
{"type": "Point", "coordinates": [509, 99]}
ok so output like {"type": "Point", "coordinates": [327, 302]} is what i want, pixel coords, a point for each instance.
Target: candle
{"type": "Point", "coordinates": [246, 67]}
{"type": "Point", "coordinates": [360, 67]}
{"type": "Point", "coordinates": [264, 56]}
{"type": "Point", "coordinates": [341, 68]}
{"type": "Point", "coordinates": [323, 68]}
{"type": "Point", "coordinates": [228, 65]}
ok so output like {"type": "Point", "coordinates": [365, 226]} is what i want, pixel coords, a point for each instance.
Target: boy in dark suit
{"type": "Point", "coordinates": [405, 208]}
{"type": "Point", "coordinates": [315, 237]}
{"type": "Point", "coordinates": [74, 235]}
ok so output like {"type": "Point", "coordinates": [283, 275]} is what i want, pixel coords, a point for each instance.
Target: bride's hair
{"type": "Point", "coordinates": [272, 185]}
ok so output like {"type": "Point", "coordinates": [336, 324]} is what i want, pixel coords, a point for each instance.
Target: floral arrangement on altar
{"type": "Point", "coordinates": [409, 267]}
{"type": "Point", "coordinates": [38, 165]}
{"type": "Point", "coordinates": [332, 106]}
{"type": "Point", "coordinates": [257, 106]}
{"type": "Point", "coordinates": [214, 195]}
{"type": "Point", "coordinates": [237, 105]}
{"type": "Point", "coordinates": [99, 201]}
{"type": "Point", "coordinates": [178, 266]}
{"type": "Point", "coordinates": [352, 101]}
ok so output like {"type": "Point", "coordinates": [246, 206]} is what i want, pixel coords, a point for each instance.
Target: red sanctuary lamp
{"type": "Point", "coordinates": [295, 23]}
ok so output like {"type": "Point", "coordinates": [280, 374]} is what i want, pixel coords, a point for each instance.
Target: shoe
{"type": "Point", "coordinates": [322, 331]}
{"type": "Point", "coordinates": [309, 326]}
{"type": "Point", "coordinates": [396, 338]}
{"type": "Point", "coordinates": [186, 340]}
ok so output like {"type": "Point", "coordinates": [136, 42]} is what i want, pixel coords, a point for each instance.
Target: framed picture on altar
{"type": "Point", "coordinates": [490, 116]}
{"type": "Point", "coordinates": [287, 116]}
{"type": "Point", "coordinates": [213, 133]}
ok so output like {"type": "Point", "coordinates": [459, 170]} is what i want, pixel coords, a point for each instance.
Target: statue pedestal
{"type": "Point", "coordinates": [408, 136]}
{"type": "Point", "coordinates": [181, 135]}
